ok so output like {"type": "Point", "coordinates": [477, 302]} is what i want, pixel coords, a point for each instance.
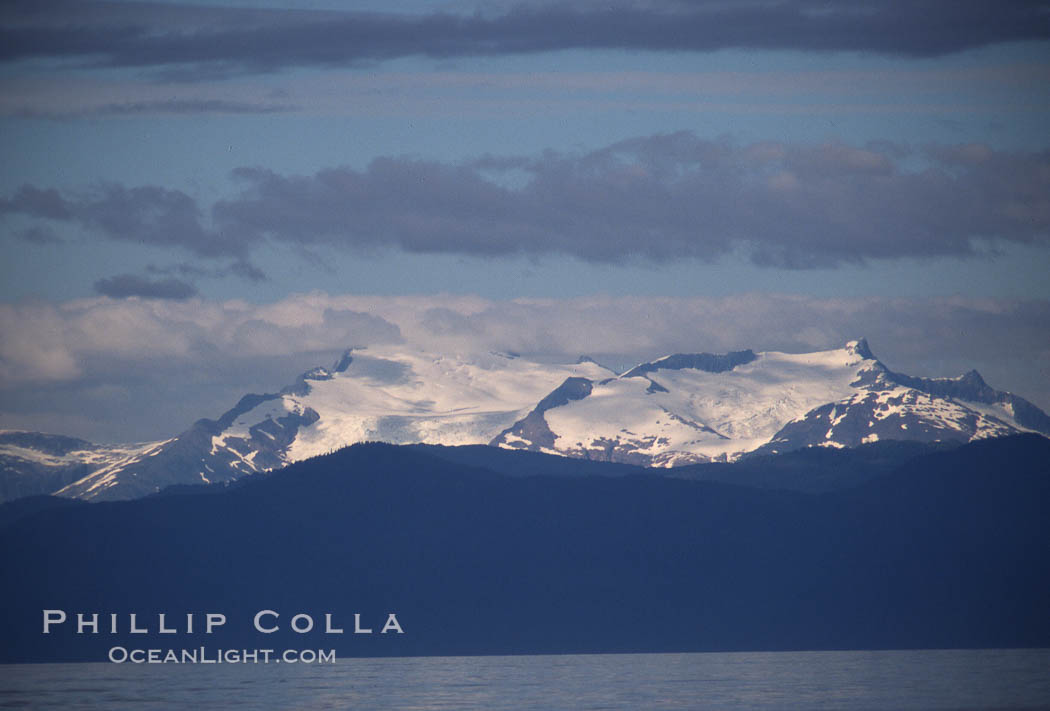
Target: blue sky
{"type": "Point", "coordinates": [820, 171]}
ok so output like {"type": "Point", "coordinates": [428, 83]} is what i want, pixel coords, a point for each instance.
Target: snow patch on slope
{"type": "Point", "coordinates": [700, 415]}
{"type": "Point", "coordinates": [111, 462]}
{"type": "Point", "coordinates": [400, 396]}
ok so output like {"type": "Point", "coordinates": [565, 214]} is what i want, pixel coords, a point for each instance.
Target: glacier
{"type": "Point", "coordinates": [676, 410]}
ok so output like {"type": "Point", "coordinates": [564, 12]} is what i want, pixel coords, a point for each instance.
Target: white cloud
{"type": "Point", "coordinates": [33, 345]}
{"type": "Point", "coordinates": [204, 354]}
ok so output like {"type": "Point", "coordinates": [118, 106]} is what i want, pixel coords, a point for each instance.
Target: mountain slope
{"type": "Point", "coordinates": [701, 407]}
{"type": "Point", "coordinates": [678, 410]}
{"type": "Point", "coordinates": [32, 463]}
{"type": "Point", "coordinates": [380, 394]}
{"type": "Point", "coordinates": [889, 405]}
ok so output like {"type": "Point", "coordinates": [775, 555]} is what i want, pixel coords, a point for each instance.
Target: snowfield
{"type": "Point", "coordinates": [676, 410]}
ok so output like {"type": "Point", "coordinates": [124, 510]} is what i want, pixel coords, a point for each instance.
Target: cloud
{"type": "Point", "coordinates": [123, 286]}
{"type": "Point", "coordinates": [99, 338]}
{"type": "Point", "coordinates": [58, 360]}
{"type": "Point", "coordinates": [242, 269]}
{"type": "Point", "coordinates": [145, 215]}
{"type": "Point", "coordinates": [663, 198]}
{"type": "Point", "coordinates": [198, 42]}
{"type": "Point", "coordinates": [466, 91]}
{"type": "Point", "coordinates": [40, 235]}
{"type": "Point", "coordinates": [657, 198]}
{"type": "Point", "coordinates": [91, 95]}
{"type": "Point", "coordinates": [164, 107]}
{"type": "Point", "coordinates": [33, 346]}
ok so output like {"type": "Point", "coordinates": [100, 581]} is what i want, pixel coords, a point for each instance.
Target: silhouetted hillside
{"type": "Point", "coordinates": [950, 550]}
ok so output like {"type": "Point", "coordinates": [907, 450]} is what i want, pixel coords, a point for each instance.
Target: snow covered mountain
{"type": "Point", "coordinates": [699, 407]}
{"type": "Point", "coordinates": [379, 394]}
{"type": "Point", "coordinates": [34, 463]}
{"type": "Point", "coordinates": [677, 410]}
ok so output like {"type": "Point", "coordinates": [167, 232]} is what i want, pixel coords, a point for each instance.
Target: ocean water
{"type": "Point", "coordinates": [931, 679]}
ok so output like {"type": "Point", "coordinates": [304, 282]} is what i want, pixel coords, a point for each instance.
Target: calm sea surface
{"type": "Point", "coordinates": [953, 679]}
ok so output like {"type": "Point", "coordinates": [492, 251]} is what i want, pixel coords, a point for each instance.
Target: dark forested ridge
{"type": "Point", "coordinates": [949, 549]}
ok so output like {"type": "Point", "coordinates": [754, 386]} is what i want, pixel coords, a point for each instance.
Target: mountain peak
{"type": "Point", "coordinates": [972, 377]}
{"type": "Point", "coordinates": [712, 363]}
{"type": "Point", "coordinates": [679, 409]}
{"type": "Point", "coordinates": [344, 361]}
{"type": "Point", "coordinates": [860, 348]}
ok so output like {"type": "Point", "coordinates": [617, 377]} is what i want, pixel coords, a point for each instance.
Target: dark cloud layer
{"type": "Point", "coordinates": [146, 215]}
{"type": "Point", "coordinates": [226, 40]}
{"type": "Point", "coordinates": [123, 286]}
{"type": "Point", "coordinates": [659, 198]}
